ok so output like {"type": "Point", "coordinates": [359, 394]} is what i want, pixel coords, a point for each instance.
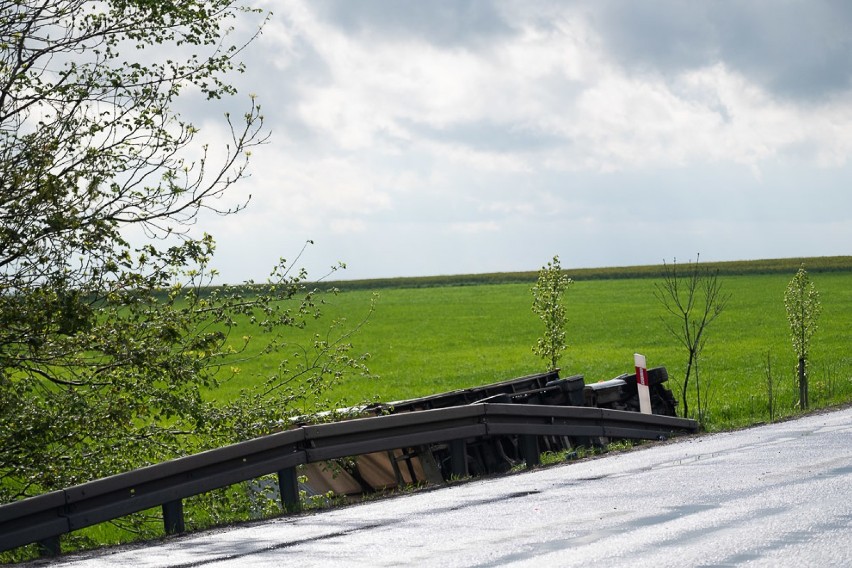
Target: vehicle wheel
{"type": "Point", "coordinates": [657, 375]}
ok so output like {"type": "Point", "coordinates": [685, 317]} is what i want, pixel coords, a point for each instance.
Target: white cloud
{"type": "Point", "coordinates": [552, 79]}
{"type": "Point", "coordinates": [543, 121]}
{"type": "Point", "coordinates": [474, 227]}
{"type": "Point", "coordinates": [347, 226]}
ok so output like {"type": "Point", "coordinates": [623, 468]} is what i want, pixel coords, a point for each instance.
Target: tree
{"type": "Point", "coordinates": [548, 293]}
{"type": "Point", "coordinates": [109, 331]}
{"type": "Point", "coordinates": [694, 299]}
{"type": "Point", "coordinates": [801, 300]}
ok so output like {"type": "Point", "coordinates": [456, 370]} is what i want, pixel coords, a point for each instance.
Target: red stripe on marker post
{"type": "Point", "coordinates": [642, 383]}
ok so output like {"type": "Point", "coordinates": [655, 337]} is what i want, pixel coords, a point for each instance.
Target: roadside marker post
{"type": "Point", "coordinates": [642, 383]}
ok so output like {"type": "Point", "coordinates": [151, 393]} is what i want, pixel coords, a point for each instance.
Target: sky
{"type": "Point", "coordinates": [466, 136]}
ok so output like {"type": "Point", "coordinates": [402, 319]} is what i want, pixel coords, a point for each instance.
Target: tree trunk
{"type": "Point", "coordinates": [686, 383]}
{"type": "Point", "coordinates": [803, 385]}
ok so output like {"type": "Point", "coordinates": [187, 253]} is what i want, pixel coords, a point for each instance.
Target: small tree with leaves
{"type": "Point", "coordinates": [694, 299]}
{"type": "Point", "coordinates": [548, 293]}
{"type": "Point", "coordinates": [803, 309]}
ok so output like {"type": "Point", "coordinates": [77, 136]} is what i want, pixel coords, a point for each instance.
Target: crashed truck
{"type": "Point", "coordinates": [382, 471]}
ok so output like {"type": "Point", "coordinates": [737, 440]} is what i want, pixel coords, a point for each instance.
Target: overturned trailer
{"type": "Point", "coordinates": [434, 463]}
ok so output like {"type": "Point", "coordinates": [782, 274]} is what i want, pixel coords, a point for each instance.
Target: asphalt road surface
{"type": "Point", "coordinates": [777, 495]}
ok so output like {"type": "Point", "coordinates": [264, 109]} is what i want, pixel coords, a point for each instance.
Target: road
{"type": "Point", "coordinates": [776, 495]}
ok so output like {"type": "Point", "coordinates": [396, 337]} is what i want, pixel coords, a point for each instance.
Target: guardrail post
{"type": "Point", "coordinates": [529, 449]}
{"type": "Point", "coordinates": [642, 384]}
{"type": "Point", "coordinates": [458, 458]}
{"type": "Point", "coordinates": [173, 517]}
{"type": "Point", "coordinates": [288, 487]}
{"type": "Point", "coordinates": [49, 547]}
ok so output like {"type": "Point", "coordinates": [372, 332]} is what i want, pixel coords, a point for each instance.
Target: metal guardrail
{"type": "Point", "coordinates": [44, 518]}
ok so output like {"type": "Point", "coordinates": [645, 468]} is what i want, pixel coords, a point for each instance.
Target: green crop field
{"type": "Point", "coordinates": [449, 333]}
{"type": "Point", "coordinates": [432, 335]}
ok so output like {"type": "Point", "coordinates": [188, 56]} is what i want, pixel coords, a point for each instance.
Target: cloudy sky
{"type": "Point", "coordinates": [464, 136]}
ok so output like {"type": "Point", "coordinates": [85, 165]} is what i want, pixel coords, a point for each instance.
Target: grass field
{"type": "Point", "coordinates": [447, 333]}
{"type": "Point", "coordinates": [429, 339]}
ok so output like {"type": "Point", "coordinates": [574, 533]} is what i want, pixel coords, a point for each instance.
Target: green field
{"type": "Point", "coordinates": [433, 335]}
{"type": "Point", "coordinates": [455, 332]}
